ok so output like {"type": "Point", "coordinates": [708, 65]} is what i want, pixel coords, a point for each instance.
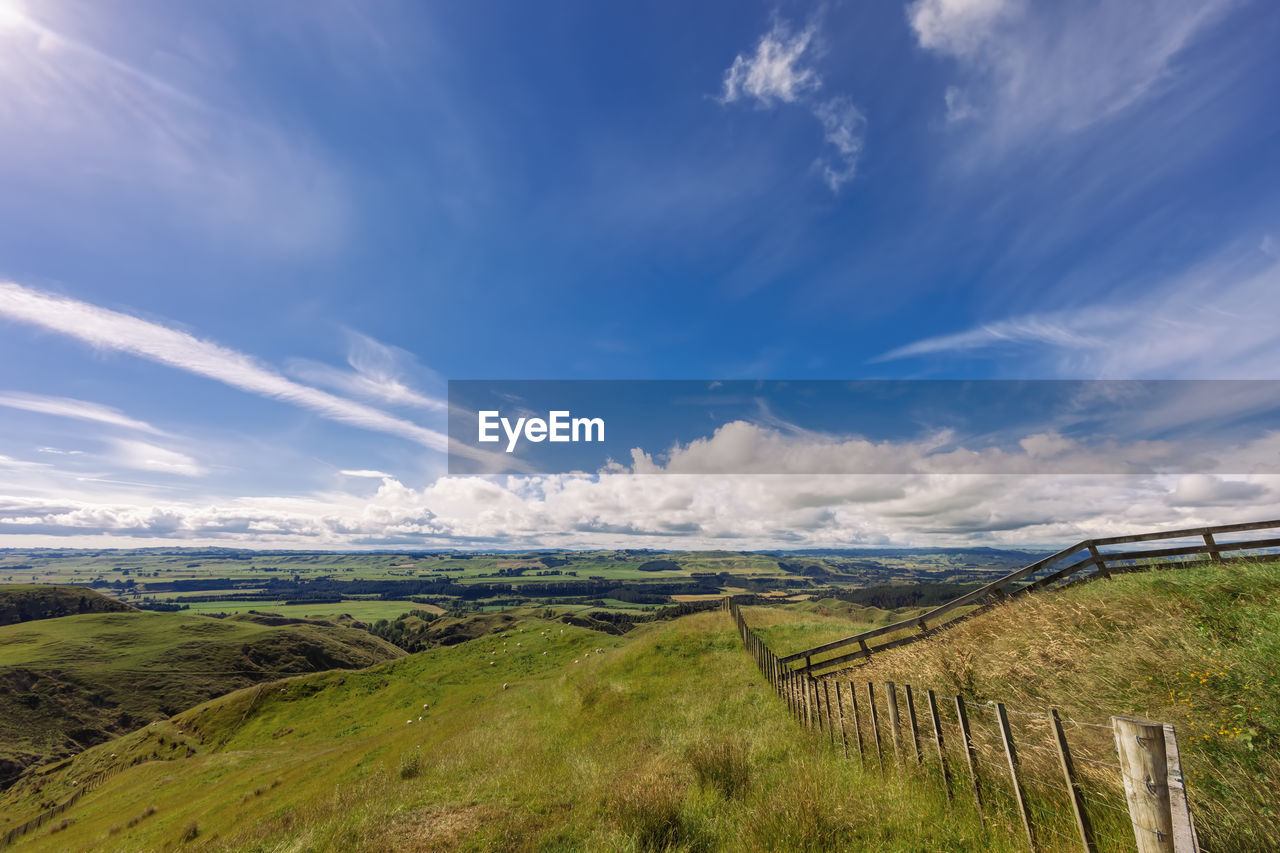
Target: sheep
{"type": "Point", "coordinates": [504, 685]}
{"type": "Point", "coordinates": [493, 663]}
{"type": "Point", "coordinates": [425, 706]}
{"type": "Point", "coordinates": [408, 722]}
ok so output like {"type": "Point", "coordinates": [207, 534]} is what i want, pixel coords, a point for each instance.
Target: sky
{"type": "Point", "coordinates": [244, 247]}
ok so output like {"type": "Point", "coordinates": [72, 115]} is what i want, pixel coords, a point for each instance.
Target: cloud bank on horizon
{"type": "Point", "coordinates": [238, 255]}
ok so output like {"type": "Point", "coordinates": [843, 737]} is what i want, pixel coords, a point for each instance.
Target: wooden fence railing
{"type": "Point", "coordinates": [1047, 572]}
{"type": "Point", "coordinates": [1112, 787]}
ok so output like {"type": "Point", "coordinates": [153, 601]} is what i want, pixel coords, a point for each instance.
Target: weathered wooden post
{"type": "Point", "coordinates": [826, 695]}
{"type": "Point", "coordinates": [875, 725]}
{"type": "Point", "coordinates": [895, 727]}
{"type": "Point", "coordinates": [970, 756]}
{"type": "Point", "coordinates": [911, 718]}
{"type": "Point", "coordinates": [1184, 830]}
{"type": "Point", "coordinates": [937, 739]}
{"type": "Point", "coordinates": [844, 738]}
{"type": "Point", "coordinates": [1083, 825]}
{"type": "Point", "coordinates": [1011, 755]}
{"type": "Point", "coordinates": [857, 725]}
{"type": "Point", "coordinates": [1144, 766]}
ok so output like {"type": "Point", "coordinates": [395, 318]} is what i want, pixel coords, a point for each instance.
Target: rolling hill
{"type": "Point", "coordinates": [73, 681]}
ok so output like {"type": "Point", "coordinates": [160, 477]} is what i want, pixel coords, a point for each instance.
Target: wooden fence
{"type": "Point", "coordinates": [1062, 783]}
{"type": "Point", "coordinates": [1079, 559]}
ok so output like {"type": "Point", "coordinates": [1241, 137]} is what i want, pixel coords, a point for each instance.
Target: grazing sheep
{"type": "Point", "coordinates": [425, 706]}
{"type": "Point", "coordinates": [504, 685]}
{"type": "Point", "coordinates": [493, 663]}
{"type": "Point", "coordinates": [408, 722]}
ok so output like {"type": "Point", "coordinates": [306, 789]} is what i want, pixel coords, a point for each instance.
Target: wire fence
{"type": "Point", "coordinates": [1059, 783]}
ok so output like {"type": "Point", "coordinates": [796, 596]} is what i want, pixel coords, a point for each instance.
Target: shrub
{"type": "Point", "coordinates": [410, 765]}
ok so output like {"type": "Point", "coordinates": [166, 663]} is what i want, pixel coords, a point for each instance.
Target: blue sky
{"type": "Point", "coordinates": [244, 245]}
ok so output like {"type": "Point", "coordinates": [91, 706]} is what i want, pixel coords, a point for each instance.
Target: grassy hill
{"type": "Point", "coordinates": [70, 682]}
{"type": "Point", "coordinates": [668, 738]}
{"type": "Point", "coordinates": [28, 602]}
{"type": "Point", "coordinates": [1196, 647]}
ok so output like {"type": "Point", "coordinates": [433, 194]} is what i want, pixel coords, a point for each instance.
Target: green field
{"type": "Point", "coordinates": [363, 611]}
{"type": "Point", "coordinates": [77, 680]}
{"type": "Point", "coordinates": [666, 740]}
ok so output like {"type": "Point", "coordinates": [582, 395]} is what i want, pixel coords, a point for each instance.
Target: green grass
{"type": "Point", "coordinates": [76, 680]}
{"type": "Point", "coordinates": [793, 627]}
{"type": "Point", "coordinates": [667, 740]}
{"type": "Point", "coordinates": [363, 611]}
{"type": "Point", "coordinates": [1196, 647]}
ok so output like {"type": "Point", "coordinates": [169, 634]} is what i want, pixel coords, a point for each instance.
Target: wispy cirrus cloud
{"type": "Point", "coordinates": [112, 330]}
{"type": "Point", "coordinates": [66, 407]}
{"type": "Point", "coordinates": [85, 109]}
{"type": "Point", "coordinates": [1199, 325]}
{"type": "Point", "coordinates": [781, 70]}
{"type": "Point", "coordinates": [1029, 68]}
{"type": "Point", "coordinates": [378, 372]}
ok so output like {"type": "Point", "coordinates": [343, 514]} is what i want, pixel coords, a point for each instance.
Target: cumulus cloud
{"type": "Point", "coordinates": [926, 494]}
{"type": "Point", "coordinates": [1205, 490]}
{"type": "Point", "coordinates": [780, 70]}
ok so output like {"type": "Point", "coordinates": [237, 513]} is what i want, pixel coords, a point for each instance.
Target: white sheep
{"type": "Point", "coordinates": [504, 685]}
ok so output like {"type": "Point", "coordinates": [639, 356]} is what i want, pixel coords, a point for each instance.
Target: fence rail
{"type": "Point", "coordinates": [1039, 575]}
{"type": "Point", "coordinates": [1059, 783]}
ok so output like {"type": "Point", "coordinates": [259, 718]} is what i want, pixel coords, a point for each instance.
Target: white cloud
{"type": "Point", "coordinates": [144, 456]}
{"type": "Point", "coordinates": [67, 407]}
{"type": "Point", "coordinates": [111, 330]}
{"type": "Point", "coordinates": [365, 473]}
{"type": "Point", "coordinates": [775, 71]}
{"type": "Point", "coordinates": [844, 129]}
{"type": "Point", "coordinates": [1200, 325]}
{"type": "Point", "coordinates": [378, 372]}
{"type": "Point", "coordinates": [958, 27]}
{"type": "Point", "coordinates": [1028, 68]}
{"type": "Point", "coordinates": [936, 495]}
{"type": "Point", "coordinates": [1204, 490]}
{"type": "Point", "coordinates": [93, 122]}
{"type": "Point", "coordinates": [779, 71]}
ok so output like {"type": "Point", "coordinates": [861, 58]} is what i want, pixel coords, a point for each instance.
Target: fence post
{"type": "Point", "coordinates": [937, 738]}
{"type": "Point", "coordinates": [911, 718]}
{"type": "Point", "coordinates": [875, 725]}
{"type": "Point", "coordinates": [857, 726]}
{"type": "Point", "coordinates": [826, 695]}
{"type": "Point", "coordinates": [1144, 766]}
{"type": "Point", "coordinates": [970, 756]}
{"type": "Point", "coordinates": [844, 737]}
{"type": "Point", "coordinates": [1214, 553]}
{"type": "Point", "coordinates": [1097, 560]}
{"type": "Point", "coordinates": [1083, 826]}
{"type": "Point", "coordinates": [1011, 755]}
{"type": "Point", "coordinates": [1184, 829]}
{"type": "Point", "coordinates": [891, 700]}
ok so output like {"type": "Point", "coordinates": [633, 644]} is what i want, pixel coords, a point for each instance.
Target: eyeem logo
{"type": "Point", "coordinates": [558, 426]}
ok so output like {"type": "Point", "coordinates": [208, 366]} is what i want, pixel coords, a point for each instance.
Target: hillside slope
{"type": "Point", "coordinates": [669, 739]}
{"type": "Point", "coordinates": [28, 602]}
{"type": "Point", "coordinates": [1196, 647]}
{"type": "Point", "coordinates": [70, 682]}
